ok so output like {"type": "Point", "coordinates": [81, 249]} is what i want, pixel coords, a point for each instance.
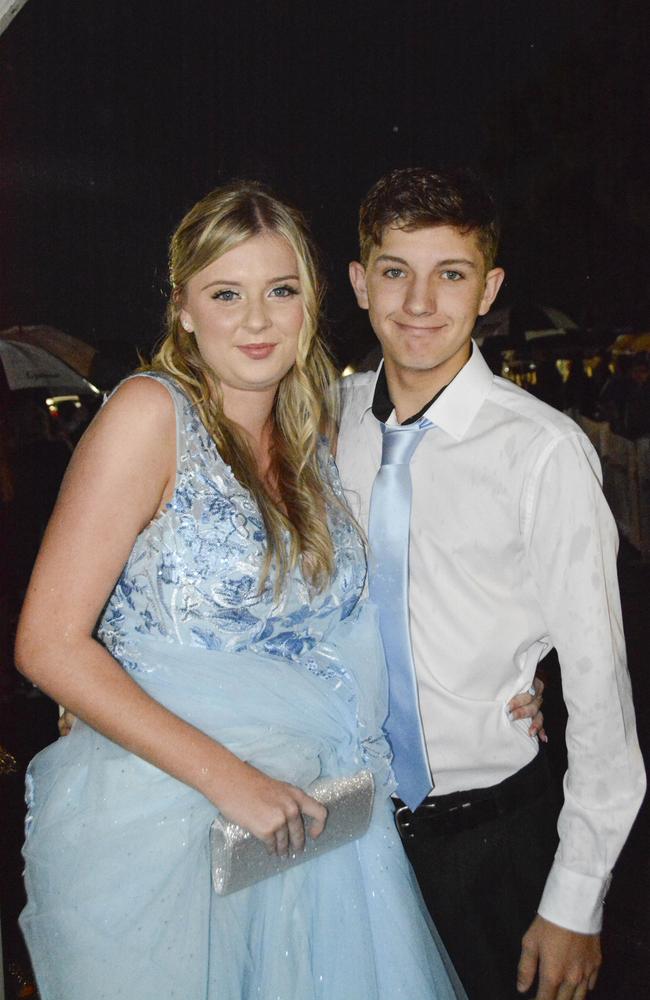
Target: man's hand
{"type": "Point", "coordinates": [527, 705]}
{"type": "Point", "coordinates": [567, 962]}
{"type": "Point", "coordinates": [66, 721]}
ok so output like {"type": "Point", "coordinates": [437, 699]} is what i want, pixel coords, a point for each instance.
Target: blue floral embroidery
{"type": "Point", "coordinates": [193, 575]}
{"type": "Point", "coordinates": [207, 640]}
{"type": "Point", "coordinates": [289, 644]}
{"type": "Point", "coordinates": [168, 571]}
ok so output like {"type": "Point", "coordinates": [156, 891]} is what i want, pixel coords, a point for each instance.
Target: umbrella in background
{"type": "Point", "coordinates": [8, 10]}
{"type": "Point", "coordinates": [73, 352]}
{"type": "Point", "coordinates": [523, 322]}
{"type": "Point", "coordinates": [29, 367]}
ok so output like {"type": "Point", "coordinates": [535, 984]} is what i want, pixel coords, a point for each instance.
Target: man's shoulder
{"type": "Point", "coordinates": [359, 382]}
{"type": "Point", "coordinates": [356, 394]}
{"type": "Point", "coordinates": [531, 413]}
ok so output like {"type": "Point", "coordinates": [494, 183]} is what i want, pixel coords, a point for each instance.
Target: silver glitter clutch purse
{"type": "Point", "coordinates": [239, 859]}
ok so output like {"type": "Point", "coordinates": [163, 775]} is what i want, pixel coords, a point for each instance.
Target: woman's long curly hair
{"type": "Point", "coordinates": [305, 406]}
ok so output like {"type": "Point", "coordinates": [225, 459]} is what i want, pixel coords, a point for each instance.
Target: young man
{"type": "Point", "coordinates": [512, 551]}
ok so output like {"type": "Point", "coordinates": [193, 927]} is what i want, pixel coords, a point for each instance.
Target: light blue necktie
{"type": "Point", "coordinates": [388, 531]}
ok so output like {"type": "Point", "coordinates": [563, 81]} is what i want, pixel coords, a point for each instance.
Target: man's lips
{"type": "Point", "coordinates": [410, 328]}
{"type": "Point", "coordinates": [256, 351]}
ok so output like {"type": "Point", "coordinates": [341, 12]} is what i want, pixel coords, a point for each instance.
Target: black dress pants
{"type": "Point", "coordinates": [482, 886]}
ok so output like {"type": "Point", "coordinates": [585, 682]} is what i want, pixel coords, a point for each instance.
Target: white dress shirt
{"type": "Point", "coordinates": [513, 551]}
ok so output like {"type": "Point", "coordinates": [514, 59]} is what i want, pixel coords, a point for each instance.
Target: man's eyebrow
{"type": "Point", "coordinates": [457, 260]}
{"type": "Point", "coordinates": [388, 258]}
{"type": "Point", "coordinates": [271, 281]}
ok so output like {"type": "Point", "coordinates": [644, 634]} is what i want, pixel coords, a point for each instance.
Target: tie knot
{"type": "Point", "coordinates": [399, 442]}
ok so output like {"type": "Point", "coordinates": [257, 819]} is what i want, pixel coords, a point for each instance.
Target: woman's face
{"type": "Point", "coordinates": [246, 312]}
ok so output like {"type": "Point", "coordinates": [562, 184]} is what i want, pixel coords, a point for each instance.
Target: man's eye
{"type": "Point", "coordinates": [393, 272]}
{"type": "Point", "coordinates": [225, 295]}
{"type": "Point", "coordinates": [283, 292]}
{"type": "Point", "coordinates": [452, 275]}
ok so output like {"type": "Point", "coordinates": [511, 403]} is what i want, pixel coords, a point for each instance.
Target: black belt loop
{"type": "Point", "coordinates": [463, 810]}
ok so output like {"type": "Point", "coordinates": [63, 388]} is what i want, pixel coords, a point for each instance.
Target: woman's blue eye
{"type": "Point", "coordinates": [225, 295]}
{"type": "Point", "coordinates": [283, 292]}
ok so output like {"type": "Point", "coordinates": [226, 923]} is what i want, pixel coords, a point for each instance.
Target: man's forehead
{"type": "Point", "coordinates": [433, 239]}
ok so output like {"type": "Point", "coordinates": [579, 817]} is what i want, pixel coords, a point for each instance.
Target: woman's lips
{"type": "Point", "coordinates": [256, 351]}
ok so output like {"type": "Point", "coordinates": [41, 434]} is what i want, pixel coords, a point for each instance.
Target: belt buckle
{"type": "Point", "coordinates": [403, 819]}
{"type": "Point", "coordinates": [462, 815]}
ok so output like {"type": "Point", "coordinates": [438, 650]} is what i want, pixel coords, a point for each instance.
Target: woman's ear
{"type": "Point", "coordinates": [186, 321]}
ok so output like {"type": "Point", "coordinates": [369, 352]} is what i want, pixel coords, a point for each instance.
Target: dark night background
{"type": "Point", "coordinates": [115, 117]}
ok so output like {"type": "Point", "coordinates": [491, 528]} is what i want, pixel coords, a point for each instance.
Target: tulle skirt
{"type": "Point", "coordinates": [120, 902]}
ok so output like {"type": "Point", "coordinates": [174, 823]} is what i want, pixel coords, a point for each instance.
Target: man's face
{"type": "Point", "coordinates": [423, 290]}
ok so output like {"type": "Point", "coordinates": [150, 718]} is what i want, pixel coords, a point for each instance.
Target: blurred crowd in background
{"type": "Point", "coordinates": [597, 373]}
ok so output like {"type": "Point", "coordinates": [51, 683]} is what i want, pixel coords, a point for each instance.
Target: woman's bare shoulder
{"type": "Point", "coordinates": [134, 433]}
{"type": "Point", "coordinates": [139, 407]}
{"type": "Point", "coordinates": [140, 394]}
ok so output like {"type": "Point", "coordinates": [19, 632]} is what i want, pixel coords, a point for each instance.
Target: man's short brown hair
{"type": "Point", "coordinates": [415, 197]}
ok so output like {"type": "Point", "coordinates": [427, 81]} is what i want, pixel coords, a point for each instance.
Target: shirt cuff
{"type": "Point", "coordinates": [573, 900]}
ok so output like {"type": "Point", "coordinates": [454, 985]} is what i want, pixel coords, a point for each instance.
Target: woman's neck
{"type": "Point", "coordinates": [253, 412]}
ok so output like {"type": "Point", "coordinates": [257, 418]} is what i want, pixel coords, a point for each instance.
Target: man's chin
{"type": "Point", "coordinates": [416, 364]}
{"type": "Point", "coordinates": [449, 361]}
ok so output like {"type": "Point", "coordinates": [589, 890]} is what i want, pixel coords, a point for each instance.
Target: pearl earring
{"type": "Point", "coordinates": [186, 326]}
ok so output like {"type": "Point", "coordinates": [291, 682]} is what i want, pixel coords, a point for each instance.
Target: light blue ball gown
{"type": "Point", "coordinates": [120, 903]}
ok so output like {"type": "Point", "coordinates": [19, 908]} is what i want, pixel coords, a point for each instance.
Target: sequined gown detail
{"type": "Point", "coordinates": [120, 903]}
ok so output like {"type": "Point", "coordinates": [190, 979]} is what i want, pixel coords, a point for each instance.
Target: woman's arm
{"type": "Point", "coordinates": [121, 474]}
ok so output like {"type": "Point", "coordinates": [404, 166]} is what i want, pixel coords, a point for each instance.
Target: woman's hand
{"type": "Point", "coordinates": [527, 705]}
{"type": "Point", "coordinates": [272, 810]}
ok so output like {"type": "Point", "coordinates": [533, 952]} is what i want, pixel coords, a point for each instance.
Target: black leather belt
{"type": "Point", "coordinates": [463, 810]}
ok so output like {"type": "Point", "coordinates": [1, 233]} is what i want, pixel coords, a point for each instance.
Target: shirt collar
{"type": "Point", "coordinates": [382, 407]}
{"type": "Point", "coordinates": [454, 409]}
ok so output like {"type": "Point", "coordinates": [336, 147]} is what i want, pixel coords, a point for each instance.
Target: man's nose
{"type": "Point", "coordinates": [420, 299]}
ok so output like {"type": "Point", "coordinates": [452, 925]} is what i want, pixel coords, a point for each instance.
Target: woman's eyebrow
{"type": "Point", "coordinates": [271, 281]}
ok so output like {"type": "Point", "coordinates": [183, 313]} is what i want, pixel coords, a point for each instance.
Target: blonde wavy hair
{"type": "Point", "coordinates": [305, 404]}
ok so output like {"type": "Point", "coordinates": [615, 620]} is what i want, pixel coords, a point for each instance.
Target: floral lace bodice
{"type": "Point", "coordinates": [193, 574]}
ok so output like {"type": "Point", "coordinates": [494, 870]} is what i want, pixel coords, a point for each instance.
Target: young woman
{"type": "Point", "coordinates": [196, 604]}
